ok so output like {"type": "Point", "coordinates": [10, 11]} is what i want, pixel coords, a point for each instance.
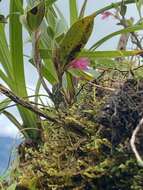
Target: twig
{"type": "Point", "coordinates": [133, 140]}
{"type": "Point", "coordinates": [25, 103]}
{"type": "Point", "coordinates": [136, 68]}
{"type": "Point", "coordinates": [134, 35]}
{"type": "Point", "coordinates": [102, 87]}
{"type": "Point", "coordinates": [15, 104]}
{"type": "Point", "coordinates": [96, 85]}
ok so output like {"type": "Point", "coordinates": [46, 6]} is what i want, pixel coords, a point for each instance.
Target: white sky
{"type": "Point", "coordinates": [102, 28]}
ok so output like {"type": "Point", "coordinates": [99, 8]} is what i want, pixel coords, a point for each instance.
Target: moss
{"type": "Point", "coordinates": [79, 155]}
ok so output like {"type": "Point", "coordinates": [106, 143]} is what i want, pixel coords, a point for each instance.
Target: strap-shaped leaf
{"type": "Point", "coordinates": [122, 31]}
{"type": "Point", "coordinates": [16, 54]}
{"type": "Point", "coordinates": [111, 54]}
{"type": "Point", "coordinates": [81, 74]}
{"type": "Point", "coordinates": [3, 104]}
{"type": "Point", "coordinates": [13, 119]}
{"type": "Point", "coordinates": [73, 11]}
{"type": "Point", "coordinates": [75, 39]}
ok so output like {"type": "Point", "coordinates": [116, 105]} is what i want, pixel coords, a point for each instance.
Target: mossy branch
{"type": "Point", "coordinates": [25, 103]}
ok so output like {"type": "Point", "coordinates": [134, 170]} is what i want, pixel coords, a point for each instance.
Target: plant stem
{"type": "Point", "coordinates": [113, 5]}
{"type": "Point", "coordinates": [25, 104]}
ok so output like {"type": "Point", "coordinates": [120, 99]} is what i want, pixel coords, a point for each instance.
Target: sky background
{"type": "Point", "coordinates": [101, 28]}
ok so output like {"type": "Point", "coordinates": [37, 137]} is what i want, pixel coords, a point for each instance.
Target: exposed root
{"type": "Point", "coordinates": [133, 142]}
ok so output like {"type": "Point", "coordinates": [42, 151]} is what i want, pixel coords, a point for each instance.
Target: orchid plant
{"type": "Point", "coordinates": [59, 55]}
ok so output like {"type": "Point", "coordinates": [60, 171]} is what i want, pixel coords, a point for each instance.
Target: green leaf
{"type": "Point", "coordinates": [50, 32]}
{"type": "Point", "coordinates": [60, 14]}
{"type": "Point", "coordinates": [111, 54]}
{"type": "Point", "coordinates": [49, 72]}
{"type": "Point", "coordinates": [13, 119]}
{"type": "Point", "coordinates": [4, 104]}
{"type": "Point", "coordinates": [16, 54]}
{"type": "Point", "coordinates": [35, 16]}
{"type": "Point", "coordinates": [73, 11]}
{"type": "Point", "coordinates": [59, 38]}
{"type": "Point", "coordinates": [60, 27]}
{"type": "Point", "coordinates": [82, 11]}
{"type": "Point", "coordinates": [122, 31]}
{"type": "Point", "coordinates": [75, 39]}
{"type": "Point", "coordinates": [48, 69]}
{"type": "Point", "coordinates": [139, 4]}
{"type": "Point", "coordinates": [112, 6]}
{"type": "Point", "coordinates": [49, 2]}
{"type": "Point", "coordinates": [38, 85]}
{"type": "Point", "coordinates": [51, 17]}
{"type": "Point", "coordinates": [123, 9]}
{"type": "Point", "coordinates": [5, 59]}
{"type": "Point", "coordinates": [104, 62]}
{"type": "Point", "coordinates": [70, 87]}
{"type": "Point", "coordinates": [16, 50]}
{"type": "Point", "coordinates": [81, 74]}
{"type": "Point", "coordinates": [5, 78]}
{"type": "Point", "coordinates": [19, 6]}
{"type": "Point", "coordinates": [100, 63]}
{"type": "Point", "coordinates": [45, 53]}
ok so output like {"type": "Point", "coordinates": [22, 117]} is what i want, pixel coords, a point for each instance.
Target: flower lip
{"type": "Point", "coordinates": [81, 63]}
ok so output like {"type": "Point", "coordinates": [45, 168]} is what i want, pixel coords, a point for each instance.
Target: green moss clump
{"type": "Point", "coordinates": [76, 155]}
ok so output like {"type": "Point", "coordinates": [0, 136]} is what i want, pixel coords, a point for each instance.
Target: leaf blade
{"type": "Point", "coordinates": [111, 54]}
{"type": "Point", "coordinates": [75, 39]}
{"type": "Point", "coordinates": [122, 31]}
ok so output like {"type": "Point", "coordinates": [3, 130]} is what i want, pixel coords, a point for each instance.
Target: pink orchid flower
{"type": "Point", "coordinates": [81, 63]}
{"type": "Point", "coordinates": [106, 14]}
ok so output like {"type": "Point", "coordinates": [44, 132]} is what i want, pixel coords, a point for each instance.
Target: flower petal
{"type": "Point", "coordinates": [106, 14]}
{"type": "Point", "coordinates": [81, 63]}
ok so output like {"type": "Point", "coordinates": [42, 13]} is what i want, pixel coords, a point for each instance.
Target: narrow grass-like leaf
{"type": "Point", "coordinates": [81, 74]}
{"type": "Point", "coordinates": [45, 53]}
{"type": "Point", "coordinates": [82, 11]}
{"type": "Point", "coordinates": [73, 11]}
{"type": "Point", "coordinates": [38, 85]}
{"type": "Point", "coordinates": [5, 78]}
{"type": "Point", "coordinates": [13, 119]}
{"type": "Point", "coordinates": [49, 3]}
{"type": "Point", "coordinates": [48, 70]}
{"type": "Point", "coordinates": [4, 53]}
{"type": "Point", "coordinates": [112, 6]}
{"type": "Point", "coordinates": [60, 14]}
{"type": "Point", "coordinates": [4, 104]}
{"type": "Point", "coordinates": [111, 54]}
{"type": "Point", "coordinates": [122, 31]}
{"type": "Point", "coordinates": [16, 50]}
